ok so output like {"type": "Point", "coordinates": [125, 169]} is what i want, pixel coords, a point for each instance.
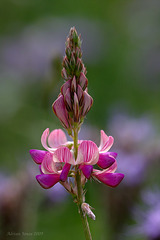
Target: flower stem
{"type": "Point", "coordinates": [80, 196]}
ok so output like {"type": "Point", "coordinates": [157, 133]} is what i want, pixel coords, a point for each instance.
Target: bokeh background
{"type": "Point", "coordinates": [121, 51]}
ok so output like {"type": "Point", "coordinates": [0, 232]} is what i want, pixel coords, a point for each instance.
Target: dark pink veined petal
{"type": "Point", "coordinates": [65, 171]}
{"type": "Point", "coordinates": [48, 165]}
{"type": "Point", "coordinates": [63, 154]}
{"type": "Point", "coordinates": [87, 170]}
{"type": "Point", "coordinates": [65, 86]}
{"type": "Point", "coordinates": [73, 84]}
{"type": "Point", "coordinates": [80, 94]}
{"type": "Point", "coordinates": [67, 98]}
{"type": "Point", "coordinates": [48, 180]}
{"type": "Point", "coordinates": [83, 82]}
{"type": "Point", "coordinates": [110, 179]}
{"type": "Point", "coordinates": [76, 107]}
{"type": "Point", "coordinates": [88, 101]}
{"type": "Point", "coordinates": [88, 153]}
{"type": "Point", "coordinates": [57, 138]}
{"type": "Point", "coordinates": [60, 110]}
{"type": "Point", "coordinates": [106, 142]}
{"type": "Point", "coordinates": [105, 160]}
{"type": "Point", "coordinates": [37, 155]}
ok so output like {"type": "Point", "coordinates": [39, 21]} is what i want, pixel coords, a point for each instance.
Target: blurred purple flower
{"type": "Point", "coordinates": [133, 165]}
{"type": "Point", "coordinates": [133, 138]}
{"type": "Point", "coordinates": [131, 132]}
{"type": "Point", "coordinates": [147, 217]}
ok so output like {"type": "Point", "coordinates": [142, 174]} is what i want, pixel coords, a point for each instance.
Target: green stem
{"type": "Point", "coordinates": [80, 197]}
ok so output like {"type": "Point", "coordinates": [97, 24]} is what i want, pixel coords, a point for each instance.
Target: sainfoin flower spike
{"type": "Point", "coordinates": [73, 163]}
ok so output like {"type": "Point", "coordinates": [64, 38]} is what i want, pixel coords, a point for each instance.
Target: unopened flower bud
{"type": "Point", "coordinates": [65, 86]}
{"type": "Point", "coordinates": [64, 73]}
{"type": "Point", "coordinates": [87, 101]}
{"type": "Point", "coordinates": [76, 108]}
{"type": "Point", "coordinates": [73, 85]}
{"type": "Point", "coordinates": [60, 111]}
{"type": "Point", "coordinates": [80, 95]}
{"type": "Point", "coordinates": [68, 52]}
{"type": "Point", "coordinates": [66, 64]}
{"type": "Point", "coordinates": [79, 65]}
{"type": "Point", "coordinates": [83, 81]}
{"type": "Point", "coordinates": [67, 99]}
{"type": "Point", "coordinates": [87, 210]}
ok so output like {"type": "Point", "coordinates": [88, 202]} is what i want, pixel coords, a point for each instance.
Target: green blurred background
{"type": "Point", "coordinates": [121, 51]}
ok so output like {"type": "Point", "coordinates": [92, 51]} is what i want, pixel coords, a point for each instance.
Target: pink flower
{"type": "Point", "coordinates": [57, 162]}
{"type": "Point", "coordinates": [89, 154]}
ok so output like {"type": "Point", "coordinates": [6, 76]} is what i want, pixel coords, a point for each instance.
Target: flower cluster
{"type": "Point", "coordinates": [71, 162]}
{"type": "Point", "coordinates": [57, 164]}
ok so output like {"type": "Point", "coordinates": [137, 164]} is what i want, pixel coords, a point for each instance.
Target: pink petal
{"type": "Point", "coordinates": [48, 180]}
{"type": "Point", "coordinates": [87, 101]}
{"type": "Point", "coordinates": [83, 82]}
{"type": "Point", "coordinates": [48, 165]}
{"type": "Point", "coordinates": [87, 153]}
{"type": "Point", "coordinates": [60, 110]}
{"type": "Point", "coordinates": [105, 160]}
{"type": "Point", "coordinates": [65, 86]}
{"type": "Point", "coordinates": [87, 170]}
{"type": "Point", "coordinates": [110, 179]}
{"type": "Point", "coordinates": [63, 154]}
{"type": "Point", "coordinates": [57, 138]}
{"type": "Point", "coordinates": [37, 155]}
{"type": "Point", "coordinates": [106, 142]}
{"type": "Point", "coordinates": [65, 171]}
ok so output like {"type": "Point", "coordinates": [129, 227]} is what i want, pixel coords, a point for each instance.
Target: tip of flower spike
{"type": "Point", "coordinates": [73, 37]}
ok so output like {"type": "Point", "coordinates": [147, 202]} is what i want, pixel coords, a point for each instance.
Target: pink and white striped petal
{"type": "Point", "coordinates": [37, 155]}
{"type": "Point", "coordinates": [44, 139]}
{"type": "Point", "coordinates": [65, 171]}
{"type": "Point", "coordinates": [88, 153]}
{"type": "Point", "coordinates": [105, 160]}
{"type": "Point", "coordinates": [106, 142]}
{"type": "Point", "coordinates": [63, 154]}
{"type": "Point", "coordinates": [87, 170]}
{"type": "Point", "coordinates": [48, 166]}
{"type": "Point", "coordinates": [60, 110]}
{"type": "Point", "coordinates": [110, 179]}
{"type": "Point", "coordinates": [57, 138]}
{"type": "Point", "coordinates": [48, 180]}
